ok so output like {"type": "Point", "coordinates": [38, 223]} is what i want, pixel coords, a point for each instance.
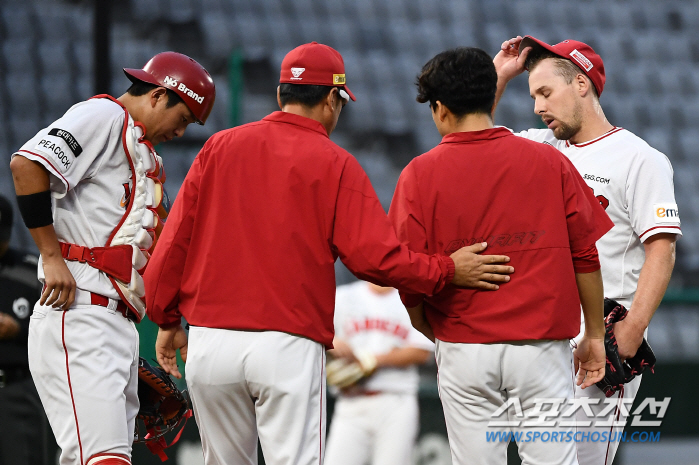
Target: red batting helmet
{"type": "Point", "coordinates": [182, 75]}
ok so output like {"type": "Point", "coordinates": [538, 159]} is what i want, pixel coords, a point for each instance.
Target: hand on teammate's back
{"type": "Point", "coordinates": [480, 271]}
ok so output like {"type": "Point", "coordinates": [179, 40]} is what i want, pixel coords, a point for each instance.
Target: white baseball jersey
{"type": "Point", "coordinates": [88, 349]}
{"type": "Point", "coordinates": [633, 182]}
{"type": "Point", "coordinates": [378, 323]}
{"type": "Point", "coordinates": [380, 428]}
{"type": "Point", "coordinates": [90, 180]}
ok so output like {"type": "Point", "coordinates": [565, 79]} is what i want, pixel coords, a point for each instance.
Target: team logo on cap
{"type": "Point", "coordinates": [182, 87]}
{"type": "Point", "coordinates": [296, 72]}
{"type": "Point", "coordinates": [339, 79]}
{"type": "Point", "coordinates": [581, 60]}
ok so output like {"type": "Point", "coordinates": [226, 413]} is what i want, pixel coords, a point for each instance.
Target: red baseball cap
{"type": "Point", "coordinates": [579, 53]}
{"type": "Point", "coordinates": [315, 64]}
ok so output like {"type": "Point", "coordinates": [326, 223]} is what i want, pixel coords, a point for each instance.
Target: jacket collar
{"type": "Point", "coordinates": [297, 120]}
{"type": "Point", "coordinates": [471, 136]}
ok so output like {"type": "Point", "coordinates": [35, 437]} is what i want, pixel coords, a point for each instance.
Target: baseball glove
{"type": "Point", "coordinates": [343, 373]}
{"type": "Point", "coordinates": [618, 372]}
{"type": "Point", "coordinates": [163, 407]}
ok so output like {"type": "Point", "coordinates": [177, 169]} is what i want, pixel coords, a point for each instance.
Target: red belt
{"type": "Point", "coordinates": [115, 261]}
{"type": "Point", "coordinates": [102, 301]}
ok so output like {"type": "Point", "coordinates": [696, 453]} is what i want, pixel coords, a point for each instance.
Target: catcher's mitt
{"type": "Point", "coordinates": [618, 373]}
{"type": "Point", "coordinates": [162, 407]}
{"type": "Point", "coordinates": [343, 373]}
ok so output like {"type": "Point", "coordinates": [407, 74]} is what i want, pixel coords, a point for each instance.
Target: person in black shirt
{"type": "Point", "coordinates": [24, 431]}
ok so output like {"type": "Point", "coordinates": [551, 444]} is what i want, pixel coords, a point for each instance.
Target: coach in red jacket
{"type": "Point", "coordinates": [247, 257]}
{"type": "Point", "coordinates": [527, 201]}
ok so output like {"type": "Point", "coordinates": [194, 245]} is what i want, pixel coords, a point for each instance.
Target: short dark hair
{"type": "Point", "coordinates": [564, 67]}
{"type": "Point", "coordinates": [139, 88]}
{"type": "Point", "coordinates": [463, 79]}
{"type": "Point", "coordinates": [304, 94]}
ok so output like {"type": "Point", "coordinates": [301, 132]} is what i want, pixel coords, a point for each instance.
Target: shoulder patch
{"type": "Point", "coordinates": [666, 213]}
{"type": "Point", "coordinates": [73, 144]}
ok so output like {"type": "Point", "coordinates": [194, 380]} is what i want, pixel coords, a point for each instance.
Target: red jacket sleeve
{"type": "Point", "coordinates": [367, 244]}
{"type": "Point", "coordinates": [163, 276]}
{"type": "Point", "coordinates": [586, 260]}
{"type": "Point", "coordinates": [406, 215]}
{"type": "Point", "coordinates": [587, 221]}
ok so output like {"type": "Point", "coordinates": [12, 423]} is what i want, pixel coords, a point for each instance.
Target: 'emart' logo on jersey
{"type": "Point", "coordinates": [665, 213]}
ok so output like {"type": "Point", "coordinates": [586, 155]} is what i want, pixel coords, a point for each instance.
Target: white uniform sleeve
{"type": "Point", "coordinates": [650, 195]}
{"type": "Point", "coordinates": [71, 147]}
{"type": "Point", "coordinates": [539, 135]}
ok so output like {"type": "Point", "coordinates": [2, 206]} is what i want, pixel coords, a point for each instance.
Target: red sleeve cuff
{"type": "Point", "coordinates": [411, 300]}
{"type": "Point", "coordinates": [586, 260]}
{"type": "Point", "coordinates": [451, 270]}
{"type": "Point", "coordinates": [167, 319]}
{"type": "Point", "coordinates": [171, 324]}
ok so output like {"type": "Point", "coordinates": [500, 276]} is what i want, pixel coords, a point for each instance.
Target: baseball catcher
{"type": "Point", "coordinates": [163, 408]}
{"type": "Point", "coordinates": [619, 372]}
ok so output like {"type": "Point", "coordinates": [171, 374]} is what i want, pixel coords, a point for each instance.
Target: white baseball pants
{"type": "Point", "coordinates": [603, 452]}
{"type": "Point", "coordinates": [477, 379]}
{"type": "Point", "coordinates": [246, 384]}
{"type": "Point", "coordinates": [378, 430]}
{"type": "Point", "coordinates": [84, 363]}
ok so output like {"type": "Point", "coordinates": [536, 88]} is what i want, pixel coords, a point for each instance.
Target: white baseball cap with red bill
{"type": "Point", "coordinates": [316, 64]}
{"type": "Point", "coordinates": [579, 53]}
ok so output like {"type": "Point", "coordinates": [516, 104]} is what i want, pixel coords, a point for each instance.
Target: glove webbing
{"type": "Point", "coordinates": [157, 444]}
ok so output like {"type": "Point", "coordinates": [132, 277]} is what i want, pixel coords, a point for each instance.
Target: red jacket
{"type": "Point", "coordinates": [528, 202]}
{"type": "Point", "coordinates": [261, 217]}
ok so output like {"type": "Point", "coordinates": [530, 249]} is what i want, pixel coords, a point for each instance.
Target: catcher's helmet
{"type": "Point", "coordinates": [182, 75]}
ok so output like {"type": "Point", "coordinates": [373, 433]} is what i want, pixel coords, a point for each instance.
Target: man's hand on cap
{"type": "Point", "coordinates": [509, 62]}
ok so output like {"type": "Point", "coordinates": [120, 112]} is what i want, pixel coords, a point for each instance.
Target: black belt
{"type": "Point", "coordinates": [9, 375]}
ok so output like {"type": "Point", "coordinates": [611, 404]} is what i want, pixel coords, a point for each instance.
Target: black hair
{"type": "Point", "coordinates": [303, 94]}
{"type": "Point", "coordinates": [463, 79]}
{"type": "Point", "coordinates": [139, 88]}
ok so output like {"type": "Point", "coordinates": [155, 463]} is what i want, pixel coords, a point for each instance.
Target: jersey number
{"type": "Point", "coordinates": [601, 199]}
